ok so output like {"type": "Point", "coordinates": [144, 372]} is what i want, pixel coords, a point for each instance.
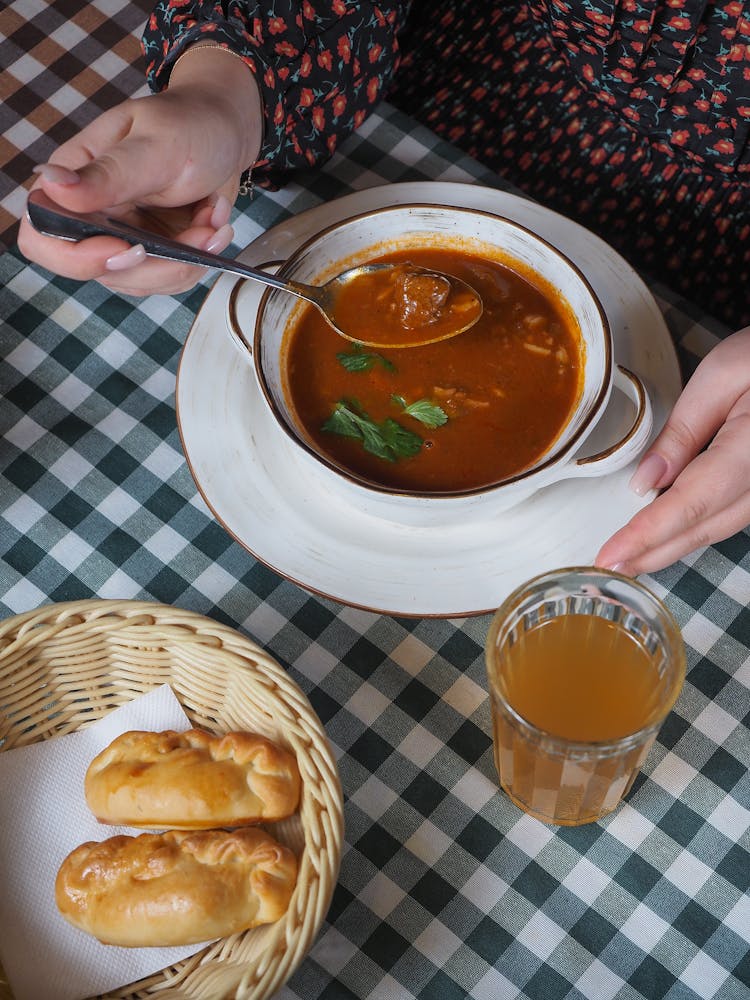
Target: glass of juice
{"type": "Point", "coordinates": [583, 666]}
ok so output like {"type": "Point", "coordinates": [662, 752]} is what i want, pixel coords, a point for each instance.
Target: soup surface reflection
{"type": "Point", "coordinates": [446, 417]}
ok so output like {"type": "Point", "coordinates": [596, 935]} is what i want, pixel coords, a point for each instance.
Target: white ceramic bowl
{"type": "Point", "coordinates": [363, 237]}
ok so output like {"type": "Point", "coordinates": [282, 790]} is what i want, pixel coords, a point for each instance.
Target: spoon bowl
{"type": "Point", "coordinates": [425, 306]}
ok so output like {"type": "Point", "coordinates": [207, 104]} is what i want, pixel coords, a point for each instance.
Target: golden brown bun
{"type": "Point", "coordinates": [175, 888]}
{"type": "Point", "coordinates": [191, 781]}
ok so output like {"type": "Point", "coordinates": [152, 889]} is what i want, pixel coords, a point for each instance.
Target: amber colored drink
{"type": "Point", "coordinates": [582, 677]}
{"type": "Point", "coordinates": [583, 666]}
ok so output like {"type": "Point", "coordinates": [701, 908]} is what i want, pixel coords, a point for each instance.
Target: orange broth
{"type": "Point", "coordinates": [507, 385]}
{"type": "Point", "coordinates": [422, 307]}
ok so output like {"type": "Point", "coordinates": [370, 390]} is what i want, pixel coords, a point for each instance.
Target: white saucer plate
{"type": "Point", "coordinates": [252, 479]}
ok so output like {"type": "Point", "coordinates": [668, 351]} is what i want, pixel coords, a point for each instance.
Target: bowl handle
{"type": "Point", "coordinates": [619, 454]}
{"type": "Point", "coordinates": [234, 327]}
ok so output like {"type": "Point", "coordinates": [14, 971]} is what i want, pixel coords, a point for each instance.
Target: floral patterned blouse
{"type": "Point", "coordinates": [320, 66]}
{"type": "Point", "coordinates": [630, 116]}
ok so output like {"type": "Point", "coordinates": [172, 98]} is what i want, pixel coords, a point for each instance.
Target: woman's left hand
{"type": "Point", "coordinates": [708, 494]}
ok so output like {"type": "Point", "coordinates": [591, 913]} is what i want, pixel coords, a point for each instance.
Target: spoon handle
{"type": "Point", "coordinates": [52, 219]}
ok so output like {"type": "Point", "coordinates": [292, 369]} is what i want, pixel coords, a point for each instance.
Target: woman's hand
{"type": "Point", "coordinates": [708, 495]}
{"type": "Point", "coordinates": [170, 162]}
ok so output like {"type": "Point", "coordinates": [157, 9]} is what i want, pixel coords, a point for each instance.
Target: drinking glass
{"type": "Point", "coordinates": [583, 667]}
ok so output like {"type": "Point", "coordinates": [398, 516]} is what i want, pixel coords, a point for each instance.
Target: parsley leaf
{"type": "Point", "coordinates": [342, 421]}
{"type": "Point", "coordinates": [400, 440]}
{"type": "Point", "coordinates": [426, 412]}
{"type": "Point", "coordinates": [389, 440]}
{"type": "Point", "coordinates": [360, 360]}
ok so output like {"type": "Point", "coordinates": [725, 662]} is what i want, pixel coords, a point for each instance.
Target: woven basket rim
{"type": "Point", "coordinates": [29, 642]}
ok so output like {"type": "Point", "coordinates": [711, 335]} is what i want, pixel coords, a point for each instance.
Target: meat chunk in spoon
{"type": "Point", "coordinates": [420, 297]}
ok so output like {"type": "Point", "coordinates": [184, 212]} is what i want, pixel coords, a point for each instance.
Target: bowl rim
{"type": "Point", "coordinates": [555, 456]}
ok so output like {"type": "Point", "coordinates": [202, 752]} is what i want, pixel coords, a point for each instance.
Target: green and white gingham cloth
{"type": "Point", "coordinates": [447, 890]}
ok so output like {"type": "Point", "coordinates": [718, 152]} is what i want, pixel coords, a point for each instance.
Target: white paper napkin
{"type": "Point", "coordinates": [43, 816]}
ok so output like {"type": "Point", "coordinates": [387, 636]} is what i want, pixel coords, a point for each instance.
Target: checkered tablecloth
{"type": "Point", "coordinates": [62, 62]}
{"type": "Point", "coordinates": [446, 889]}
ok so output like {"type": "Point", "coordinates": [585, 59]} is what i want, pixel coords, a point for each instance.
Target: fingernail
{"type": "Point", "coordinates": [126, 258]}
{"type": "Point", "coordinates": [220, 239]}
{"type": "Point", "coordinates": [57, 174]}
{"type": "Point", "coordinates": [617, 567]}
{"type": "Point", "coordinates": [651, 470]}
{"type": "Point", "coordinates": [221, 212]}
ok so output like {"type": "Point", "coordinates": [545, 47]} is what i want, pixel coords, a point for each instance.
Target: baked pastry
{"type": "Point", "coordinates": [175, 888]}
{"type": "Point", "coordinates": [191, 781]}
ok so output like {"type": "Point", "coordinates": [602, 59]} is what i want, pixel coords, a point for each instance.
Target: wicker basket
{"type": "Point", "coordinates": [64, 666]}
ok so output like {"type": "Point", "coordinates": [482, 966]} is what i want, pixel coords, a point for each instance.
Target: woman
{"type": "Point", "coordinates": [631, 118]}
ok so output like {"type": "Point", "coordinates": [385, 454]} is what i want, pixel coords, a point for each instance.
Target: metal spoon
{"type": "Point", "coordinates": [52, 219]}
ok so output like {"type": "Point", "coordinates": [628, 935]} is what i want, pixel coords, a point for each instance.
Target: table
{"type": "Point", "coordinates": [446, 889]}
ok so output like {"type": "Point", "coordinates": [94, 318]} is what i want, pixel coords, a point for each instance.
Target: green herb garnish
{"type": "Point", "coordinates": [360, 360]}
{"type": "Point", "coordinates": [388, 440]}
{"type": "Point", "coordinates": [423, 410]}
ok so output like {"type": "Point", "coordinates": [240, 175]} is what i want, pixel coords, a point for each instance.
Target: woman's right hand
{"type": "Point", "coordinates": [170, 162]}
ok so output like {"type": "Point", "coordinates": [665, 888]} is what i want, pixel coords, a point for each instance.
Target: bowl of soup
{"type": "Point", "coordinates": [424, 434]}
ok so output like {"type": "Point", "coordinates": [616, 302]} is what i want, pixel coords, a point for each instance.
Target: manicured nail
{"type": "Point", "coordinates": [126, 258]}
{"type": "Point", "coordinates": [221, 213]}
{"type": "Point", "coordinates": [220, 239]}
{"type": "Point", "coordinates": [651, 470]}
{"type": "Point", "coordinates": [56, 174]}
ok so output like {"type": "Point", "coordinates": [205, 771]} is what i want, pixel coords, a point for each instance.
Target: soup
{"type": "Point", "coordinates": [405, 306]}
{"type": "Point", "coordinates": [446, 417]}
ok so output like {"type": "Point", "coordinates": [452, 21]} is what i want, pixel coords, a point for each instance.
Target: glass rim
{"type": "Point", "coordinates": [570, 748]}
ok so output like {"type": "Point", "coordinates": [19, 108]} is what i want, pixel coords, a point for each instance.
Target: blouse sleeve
{"type": "Point", "coordinates": [321, 65]}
